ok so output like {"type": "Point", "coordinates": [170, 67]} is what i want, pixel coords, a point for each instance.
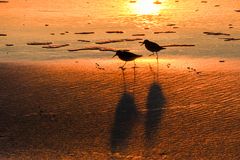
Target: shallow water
{"type": "Point", "coordinates": [31, 20]}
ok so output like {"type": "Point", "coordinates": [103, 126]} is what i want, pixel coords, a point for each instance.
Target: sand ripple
{"type": "Point", "coordinates": [73, 109]}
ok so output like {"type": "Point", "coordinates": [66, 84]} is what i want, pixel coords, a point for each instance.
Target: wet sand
{"type": "Point", "coordinates": [71, 109]}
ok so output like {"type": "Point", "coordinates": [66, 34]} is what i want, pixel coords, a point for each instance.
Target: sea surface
{"type": "Point", "coordinates": [57, 21]}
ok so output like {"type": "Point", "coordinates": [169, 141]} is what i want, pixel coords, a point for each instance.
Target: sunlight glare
{"type": "Point", "coordinates": [147, 7]}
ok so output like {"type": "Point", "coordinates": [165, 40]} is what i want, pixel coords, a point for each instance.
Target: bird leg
{"type": "Point", "coordinates": [157, 55]}
{"type": "Point", "coordinates": [151, 54]}
{"type": "Point", "coordinates": [122, 67]}
{"type": "Point", "coordinates": [134, 65]}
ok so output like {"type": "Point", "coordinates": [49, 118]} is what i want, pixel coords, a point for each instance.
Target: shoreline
{"type": "Point", "coordinates": [180, 62]}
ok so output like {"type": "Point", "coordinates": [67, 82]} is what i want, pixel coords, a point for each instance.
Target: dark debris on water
{"type": "Point", "coordinates": [164, 32]}
{"type": "Point", "coordinates": [138, 34]}
{"type": "Point", "coordinates": [118, 40]}
{"type": "Point", "coordinates": [82, 40]}
{"type": "Point", "coordinates": [84, 33]}
{"type": "Point", "coordinates": [115, 32]}
{"type": "Point", "coordinates": [3, 34]}
{"type": "Point", "coordinates": [39, 43]}
{"type": "Point", "coordinates": [95, 48]}
{"type": "Point", "coordinates": [230, 39]}
{"type": "Point", "coordinates": [55, 46]}
{"type": "Point", "coordinates": [216, 33]}
{"type": "Point", "coordinates": [9, 45]}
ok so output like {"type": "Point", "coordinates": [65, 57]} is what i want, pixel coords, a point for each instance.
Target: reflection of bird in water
{"type": "Point", "coordinates": [124, 79]}
{"type": "Point", "coordinates": [126, 56]}
{"type": "Point", "coordinates": [152, 46]}
{"type": "Point", "coordinates": [155, 109]}
{"type": "Point", "coordinates": [126, 117]}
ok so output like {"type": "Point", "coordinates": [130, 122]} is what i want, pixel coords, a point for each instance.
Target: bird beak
{"type": "Point", "coordinates": [142, 43]}
{"type": "Point", "coordinates": [114, 55]}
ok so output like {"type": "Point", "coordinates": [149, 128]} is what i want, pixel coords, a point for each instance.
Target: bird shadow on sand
{"type": "Point", "coordinates": [126, 116]}
{"type": "Point", "coordinates": [155, 103]}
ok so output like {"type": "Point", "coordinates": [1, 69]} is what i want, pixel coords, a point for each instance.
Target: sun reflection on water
{"type": "Point", "coordinates": [147, 7]}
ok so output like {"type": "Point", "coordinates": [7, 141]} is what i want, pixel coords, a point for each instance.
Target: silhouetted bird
{"type": "Point", "coordinates": [126, 56]}
{"type": "Point", "coordinates": [153, 47]}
